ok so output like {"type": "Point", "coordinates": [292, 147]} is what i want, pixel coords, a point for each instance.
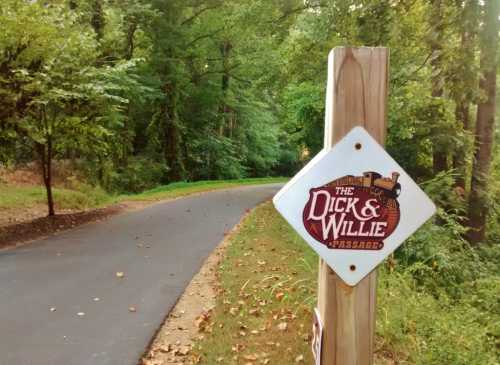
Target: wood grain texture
{"type": "Point", "coordinates": [356, 96]}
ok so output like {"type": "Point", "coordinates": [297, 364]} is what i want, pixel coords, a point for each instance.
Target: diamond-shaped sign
{"type": "Point", "coordinates": [354, 205]}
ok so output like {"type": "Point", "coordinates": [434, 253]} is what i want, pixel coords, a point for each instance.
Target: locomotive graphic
{"type": "Point", "coordinates": [389, 185]}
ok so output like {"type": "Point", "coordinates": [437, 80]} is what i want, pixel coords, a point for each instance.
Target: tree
{"type": "Point", "coordinates": [436, 41]}
{"type": "Point", "coordinates": [67, 104]}
{"type": "Point", "coordinates": [462, 77]}
{"type": "Point", "coordinates": [485, 122]}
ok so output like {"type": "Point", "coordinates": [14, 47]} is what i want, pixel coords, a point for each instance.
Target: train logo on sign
{"type": "Point", "coordinates": [354, 212]}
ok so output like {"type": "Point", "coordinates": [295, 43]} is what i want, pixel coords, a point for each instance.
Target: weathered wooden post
{"type": "Point", "coordinates": [356, 96]}
{"type": "Point", "coordinates": [353, 204]}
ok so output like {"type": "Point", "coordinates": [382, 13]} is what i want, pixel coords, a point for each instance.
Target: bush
{"type": "Point", "coordinates": [140, 174]}
{"type": "Point", "coordinates": [418, 328]}
{"type": "Point", "coordinates": [83, 197]}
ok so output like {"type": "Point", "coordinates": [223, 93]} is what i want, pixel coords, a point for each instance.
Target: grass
{"type": "Point", "coordinates": [85, 196]}
{"type": "Point", "coordinates": [268, 277]}
{"type": "Point", "coordinates": [179, 189]}
{"type": "Point", "coordinates": [15, 197]}
{"type": "Point", "coordinates": [267, 283]}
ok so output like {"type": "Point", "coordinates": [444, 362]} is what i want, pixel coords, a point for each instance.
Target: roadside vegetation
{"type": "Point", "coordinates": [23, 208]}
{"type": "Point", "coordinates": [85, 196]}
{"type": "Point", "coordinates": [24, 197]}
{"type": "Point", "coordinates": [179, 189]}
{"type": "Point", "coordinates": [437, 299]}
{"type": "Point", "coordinates": [111, 101]}
{"type": "Point", "coordinates": [136, 94]}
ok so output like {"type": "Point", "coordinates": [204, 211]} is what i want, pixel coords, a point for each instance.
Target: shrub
{"type": "Point", "coordinates": [140, 174]}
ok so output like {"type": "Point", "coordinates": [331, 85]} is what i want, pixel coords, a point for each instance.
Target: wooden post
{"type": "Point", "coordinates": [356, 96]}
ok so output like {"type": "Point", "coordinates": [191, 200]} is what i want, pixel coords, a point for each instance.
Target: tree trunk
{"type": "Point", "coordinates": [485, 122]}
{"type": "Point", "coordinates": [225, 109]}
{"type": "Point", "coordinates": [97, 21]}
{"type": "Point", "coordinates": [45, 155]}
{"type": "Point", "coordinates": [462, 89]}
{"type": "Point", "coordinates": [459, 161]}
{"type": "Point", "coordinates": [172, 136]}
{"type": "Point", "coordinates": [130, 44]}
{"type": "Point", "coordinates": [439, 155]}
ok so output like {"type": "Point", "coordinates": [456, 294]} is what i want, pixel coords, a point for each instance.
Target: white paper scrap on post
{"type": "Point", "coordinates": [317, 339]}
{"type": "Point", "coordinates": [354, 205]}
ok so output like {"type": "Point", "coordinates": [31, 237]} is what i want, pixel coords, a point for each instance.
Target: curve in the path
{"type": "Point", "coordinates": [159, 249]}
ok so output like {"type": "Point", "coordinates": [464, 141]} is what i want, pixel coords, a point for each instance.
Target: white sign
{"type": "Point", "coordinates": [317, 339]}
{"type": "Point", "coordinates": [354, 205]}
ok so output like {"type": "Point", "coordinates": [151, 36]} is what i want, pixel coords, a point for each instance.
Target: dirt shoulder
{"type": "Point", "coordinates": [17, 234]}
{"type": "Point", "coordinates": [190, 319]}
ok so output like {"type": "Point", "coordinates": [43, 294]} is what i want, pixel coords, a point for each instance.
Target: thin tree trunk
{"type": "Point", "coordinates": [45, 155]}
{"type": "Point", "coordinates": [48, 181]}
{"type": "Point", "coordinates": [439, 155]}
{"type": "Point", "coordinates": [127, 137]}
{"type": "Point", "coordinates": [172, 135]}
{"type": "Point", "coordinates": [97, 21]}
{"type": "Point", "coordinates": [459, 160]}
{"type": "Point", "coordinates": [225, 109]}
{"type": "Point", "coordinates": [462, 103]}
{"type": "Point", "coordinates": [485, 122]}
{"type": "Point", "coordinates": [130, 44]}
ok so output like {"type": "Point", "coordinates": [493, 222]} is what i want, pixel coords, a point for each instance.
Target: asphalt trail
{"type": "Point", "coordinates": [69, 270]}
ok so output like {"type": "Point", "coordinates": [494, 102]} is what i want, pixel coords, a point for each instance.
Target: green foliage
{"type": "Point", "coordinates": [427, 314]}
{"type": "Point", "coordinates": [138, 175]}
{"type": "Point", "coordinates": [418, 328]}
{"type": "Point", "coordinates": [437, 295]}
{"type": "Point", "coordinates": [143, 92]}
{"type": "Point", "coordinates": [183, 188]}
{"type": "Point", "coordinates": [140, 93]}
{"type": "Point", "coordinates": [84, 197]}
{"type": "Point", "coordinates": [15, 198]}
{"type": "Point", "coordinates": [304, 104]}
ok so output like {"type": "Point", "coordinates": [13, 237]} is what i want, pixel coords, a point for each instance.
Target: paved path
{"type": "Point", "coordinates": [69, 270]}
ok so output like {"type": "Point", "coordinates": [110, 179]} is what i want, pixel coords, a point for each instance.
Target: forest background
{"type": "Point", "coordinates": [107, 97]}
{"type": "Point", "coordinates": [138, 93]}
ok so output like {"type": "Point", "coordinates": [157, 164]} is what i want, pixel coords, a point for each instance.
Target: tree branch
{"type": "Point", "coordinates": [203, 36]}
{"type": "Point", "coordinates": [198, 13]}
{"type": "Point", "coordinates": [297, 10]}
{"type": "Point", "coordinates": [404, 82]}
